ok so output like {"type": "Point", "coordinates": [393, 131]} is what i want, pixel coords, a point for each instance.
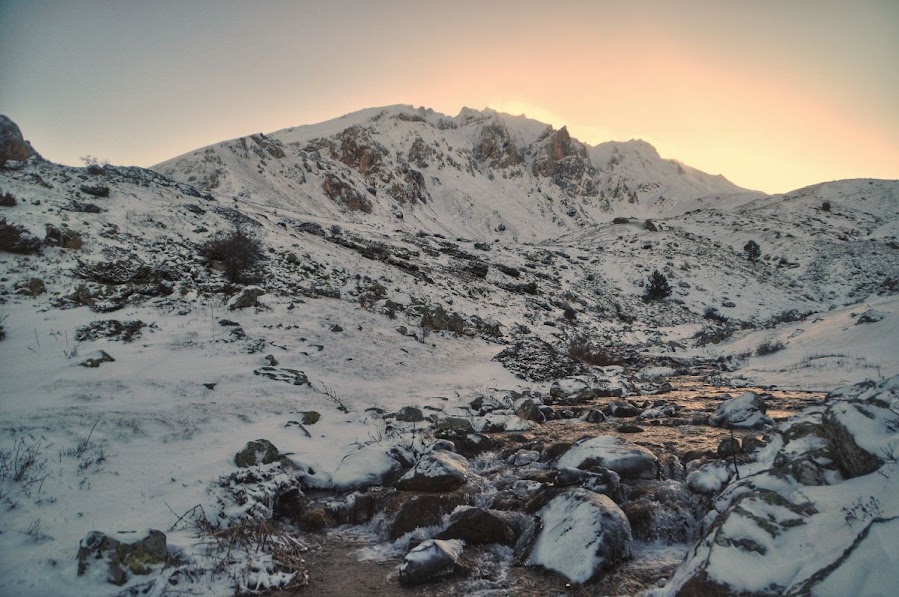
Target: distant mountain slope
{"type": "Point", "coordinates": [481, 174]}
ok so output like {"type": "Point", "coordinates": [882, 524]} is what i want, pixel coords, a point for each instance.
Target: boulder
{"type": "Point", "coordinates": [245, 298]}
{"type": "Point", "coordinates": [616, 454]}
{"type": "Point", "coordinates": [260, 451]}
{"type": "Point", "coordinates": [597, 479]}
{"type": "Point", "coordinates": [122, 559]}
{"type": "Point", "coordinates": [477, 526]}
{"type": "Point", "coordinates": [746, 411]}
{"type": "Point", "coordinates": [410, 510]}
{"type": "Point", "coordinates": [622, 409]}
{"type": "Point", "coordinates": [430, 561]}
{"type": "Point", "coordinates": [410, 414]}
{"type": "Point", "coordinates": [583, 534]}
{"type": "Point", "coordinates": [437, 471]}
{"type": "Point", "coordinates": [96, 359]}
{"type": "Point", "coordinates": [13, 145]}
{"type": "Point", "coordinates": [860, 432]}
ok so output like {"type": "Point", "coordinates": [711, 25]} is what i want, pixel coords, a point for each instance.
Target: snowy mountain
{"type": "Point", "coordinates": [481, 174]}
{"type": "Point", "coordinates": [403, 367]}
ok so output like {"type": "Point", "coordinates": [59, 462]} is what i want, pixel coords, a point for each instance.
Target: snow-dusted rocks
{"type": "Point", "coordinates": [436, 471]}
{"type": "Point", "coordinates": [583, 534]}
{"type": "Point", "coordinates": [260, 451]}
{"type": "Point", "coordinates": [13, 145]}
{"type": "Point", "coordinates": [122, 559]}
{"type": "Point", "coordinates": [479, 526]}
{"type": "Point", "coordinates": [245, 298]}
{"type": "Point", "coordinates": [432, 560]}
{"type": "Point", "coordinates": [860, 430]}
{"type": "Point", "coordinates": [625, 458]}
{"type": "Point", "coordinates": [746, 411]}
{"type": "Point", "coordinates": [710, 477]}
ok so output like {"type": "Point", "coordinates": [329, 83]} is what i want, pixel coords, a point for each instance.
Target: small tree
{"type": "Point", "coordinates": [752, 250]}
{"type": "Point", "coordinates": [658, 287]}
{"type": "Point", "coordinates": [238, 252]}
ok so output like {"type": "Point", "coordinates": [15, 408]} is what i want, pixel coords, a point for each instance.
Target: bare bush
{"type": "Point", "coordinates": [237, 251]}
{"type": "Point", "coordinates": [7, 200]}
{"type": "Point", "coordinates": [581, 349]}
{"type": "Point", "coordinates": [15, 238]}
{"type": "Point", "coordinates": [23, 469]}
{"type": "Point", "coordinates": [769, 347]}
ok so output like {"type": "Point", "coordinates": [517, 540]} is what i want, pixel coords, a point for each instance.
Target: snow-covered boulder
{"type": "Point", "coordinates": [431, 561]}
{"type": "Point", "coordinates": [616, 454]}
{"type": "Point", "coordinates": [245, 298]}
{"type": "Point", "coordinates": [436, 471]}
{"type": "Point", "coordinates": [746, 411]}
{"type": "Point", "coordinates": [583, 535]}
{"type": "Point", "coordinates": [371, 465]}
{"type": "Point", "coordinates": [710, 477]}
{"type": "Point", "coordinates": [122, 559]}
{"type": "Point", "coordinates": [860, 430]}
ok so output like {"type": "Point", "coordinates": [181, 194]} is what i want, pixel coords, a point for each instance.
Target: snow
{"type": "Point", "coordinates": [614, 453]}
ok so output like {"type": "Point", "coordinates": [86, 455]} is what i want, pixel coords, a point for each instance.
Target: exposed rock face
{"type": "Point", "coordinates": [345, 194]}
{"type": "Point", "coordinates": [420, 153]}
{"type": "Point", "coordinates": [495, 147]}
{"type": "Point", "coordinates": [566, 163]}
{"type": "Point", "coordinates": [584, 534]}
{"type": "Point", "coordinates": [355, 148]}
{"type": "Point", "coordinates": [122, 559]}
{"type": "Point", "coordinates": [12, 145]}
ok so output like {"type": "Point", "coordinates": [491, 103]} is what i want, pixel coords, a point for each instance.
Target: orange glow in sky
{"type": "Point", "coordinates": [774, 95]}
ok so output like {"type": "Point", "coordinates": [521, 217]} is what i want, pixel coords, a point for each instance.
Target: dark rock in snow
{"type": "Point", "coordinates": [410, 414]}
{"type": "Point", "coordinates": [96, 359]}
{"type": "Point", "coordinates": [478, 526]}
{"type": "Point", "coordinates": [260, 451]}
{"type": "Point", "coordinates": [245, 298]}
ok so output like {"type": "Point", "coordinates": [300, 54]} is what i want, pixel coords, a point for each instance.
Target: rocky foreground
{"type": "Point", "coordinates": [531, 492]}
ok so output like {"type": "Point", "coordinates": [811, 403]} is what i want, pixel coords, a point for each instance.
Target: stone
{"type": "Point", "coordinates": [622, 409]}
{"type": "Point", "coordinates": [260, 451]}
{"type": "Point", "coordinates": [478, 526]}
{"type": "Point", "coordinates": [746, 411]}
{"type": "Point", "coordinates": [454, 425]}
{"type": "Point", "coordinates": [96, 359]}
{"type": "Point", "coordinates": [410, 510]}
{"type": "Point", "coordinates": [32, 287]}
{"type": "Point", "coordinates": [13, 145]}
{"type": "Point", "coordinates": [245, 298]}
{"type": "Point", "coordinates": [290, 504]}
{"type": "Point", "coordinates": [410, 414]}
{"type": "Point", "coordinates": [529, 411]}
{"type": "Point", "coordinates": [436, 472]}
{"type": "Point", "coordinates": [311, 417]}
{"type": "Point", "coordinates": [594, 416]}
{"type": "Point", "coordinates": [583, 534]}
{"type": "Point", "coordinates": [122, 559]}
{"type": "Point", "coordinates": [625, 458]}
{"type": "Point", "coordinates": [430, 561]}
{"type": "Point", "coordinates": [728, 447]}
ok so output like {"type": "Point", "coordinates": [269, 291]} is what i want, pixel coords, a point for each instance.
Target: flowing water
{"type": "Point", "coordinates": [359, 560]}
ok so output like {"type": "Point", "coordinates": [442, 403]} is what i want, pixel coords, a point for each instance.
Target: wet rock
{"type": "Point", "coordinates": [316, 519]}
{"type": "Point", "coordinates": [410, 510]}
{"type": "Point", "coordinates": [583, 534]}
{"type": "Point", "coordinates": [525, 457]}
{"type": "Point", "coordinates": [629, 428]}
{"type": "Point", "coordinates": [260, 451]}
{"type": "Point", "coordinates": [289, 504]}
{"type": "Point", "coordinates": [529, 411]}
{"type": "Point", "coordinates": [597, 479]}
{"type": "Point", "coordinates": [746, 411]}
{"type": "Point", "coordinates": [245, 298]}
{"type": "Point", "coordinates": [728, 447]}
{"type": "Point", "coordinates": [663, 511]}
{"type": "Point", "coordinates": [430, 561]}
{"type": "Point", "coordinates": [625, 458]}
{"type": "Point", "coordinates": [594, 416]}
{"type": "Point", "coordinates": [478, 526]}
{"type": "Point", "coordinates": [410, 414]}
{"type": "Point", "coordinates": [472, 444]}
{"type": "Point", "coordinates": [122, 559]}
{"type": "Point", "coordinates": [622, 409]}
{"type": "Point", "coordinates": [437, 472]}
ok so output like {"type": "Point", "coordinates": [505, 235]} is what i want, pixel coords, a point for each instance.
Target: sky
{"type": "Point", "coordinates": [775, 95]}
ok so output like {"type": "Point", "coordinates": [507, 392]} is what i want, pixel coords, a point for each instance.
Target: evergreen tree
{"type": "Point", "coordinates": [658, 287]}
{"type": "Point", "coordinates": [752, 250]}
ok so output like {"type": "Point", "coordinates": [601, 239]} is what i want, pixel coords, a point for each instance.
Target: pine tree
{"type": "Point", "coordinates": [658, 287]}
{"type": "Point", "coordinates": [752, 250]}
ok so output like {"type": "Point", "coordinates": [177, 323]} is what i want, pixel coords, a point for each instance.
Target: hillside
{"type": "Point", "coordinates": [482, 174]}
{"type": "Point", "coordinates": [134, 368]}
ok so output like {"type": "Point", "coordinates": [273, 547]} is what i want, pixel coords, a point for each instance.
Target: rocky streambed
{"type": "Point", "coordinates": [687, 488]}
{"type": "Point", "coordinates": [591, 496]}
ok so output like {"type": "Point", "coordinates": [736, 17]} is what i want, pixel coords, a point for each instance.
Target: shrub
{"type": "Point", "coordinates": [658, 287]}
{"type": "Point", "coordinates": [238, 252]}
{"type": "Point", "coordinates": [826, 206]}
{"type": "Point", "coordinates": [581, 349]}
{"type": "Point", "coordinates": [16, 239]}
{"type": "Point", "coordinates": [7, 200]}
{"type": "Point", "coordinates": [2, 331]}
{"type": "Point", "coordinates": [769, 347]}
{"type": "Point", "coordinates": [712, 314]}
{"type": "Point", "coordinates": [752, 250]}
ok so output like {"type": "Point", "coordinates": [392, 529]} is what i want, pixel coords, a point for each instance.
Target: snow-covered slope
{"type": "Point", "coordinates": [375, 314]}
{"type": "Point", "coordinates": [481, 174]}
